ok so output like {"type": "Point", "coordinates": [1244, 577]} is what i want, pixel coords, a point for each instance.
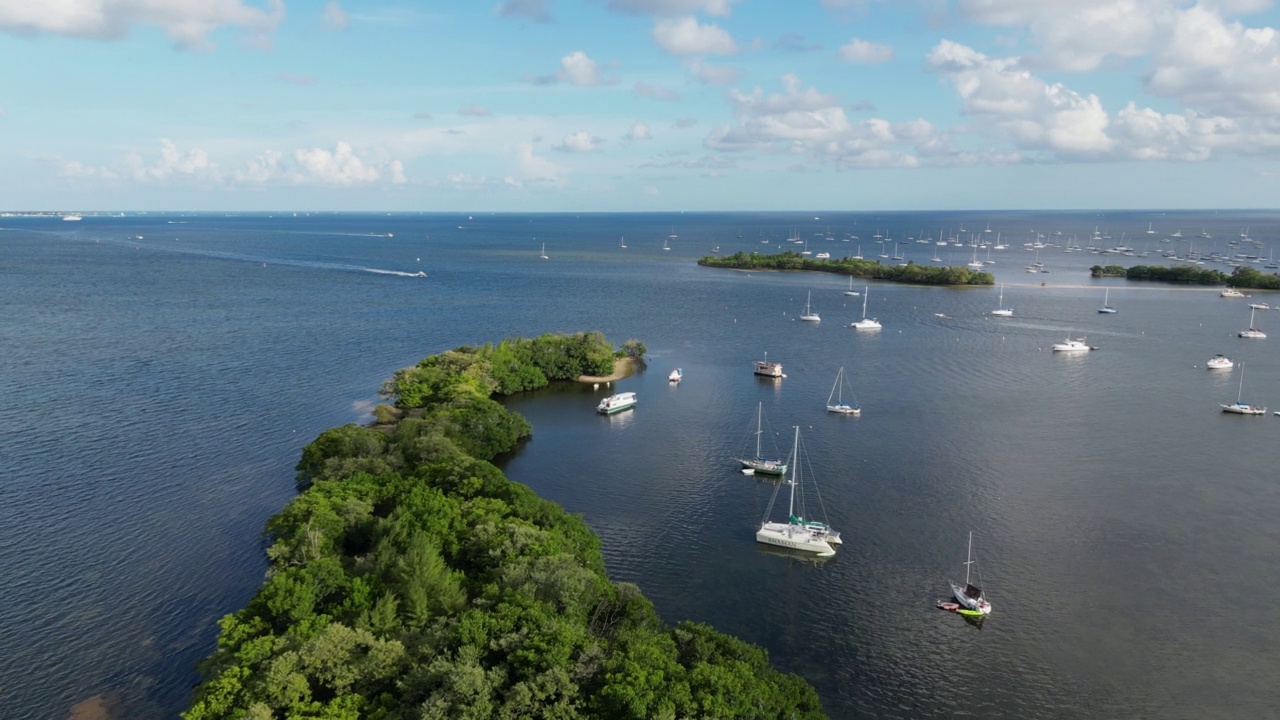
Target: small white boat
{"type": "Point", "coordinates": [420, 273]}
{"type": "Point", "coordinates": [1253, 332]}
{"type": "Point", "coordinates": [616, 403]}
{"type": "Point", "coordinates": [623, 242]}
{"type": "Point", "coordinates": [676, 375]}
{"type": "Point", "coordinates": [822, 256]}
{"type": "Point", "coordinates": [543, 254]}
{"type": "Point", "coordinates": [1230, 292]}
{"type": "Point", "coordinates": [768, 369]}
{"type": "Point", "coordinates": [1069, 345]}
{"type": "Point", "coordinates": [1243, 408]}
{"type": "Point", "coordinates": [865, 323]}
{"type": "Point", "coordinates": [809, 315]}
{"type": "Point", "coordinates": [796, 532]}
{"type": "Point", "coordinates": [851, 291]}
{"type": "Point", "coordinates": [970, 595]}
{"type": "Point", "coordinates": [1259, 306]}
{"type": "Point", "coordinates": [1219, 362]}
{"type": "Point", "coordinates": [1106, 308]}
{"type": "Point", "coordinates": [1001, 310]}
{"type": "Point", "coordinates": [71, 218]}
{"type": "Point", "coordinates": [835, 400]}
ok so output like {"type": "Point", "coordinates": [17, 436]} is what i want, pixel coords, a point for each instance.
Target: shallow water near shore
{"type": "Point", "coordinates": [158, 392]}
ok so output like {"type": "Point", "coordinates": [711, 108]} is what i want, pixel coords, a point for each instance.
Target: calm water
{"type": "Point", "coordinates": [157, 392]}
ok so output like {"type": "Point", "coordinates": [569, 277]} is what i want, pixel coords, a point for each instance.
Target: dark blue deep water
{"type": "Point", "coordinates": [156, 392]}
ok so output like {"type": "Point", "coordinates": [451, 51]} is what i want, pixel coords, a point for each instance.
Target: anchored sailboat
{"type": "Point", "coordinates": [758, 463]}
{"type": "Point", "coordinates": [797, 533]}
{"type": "Point", "coordinates": [837, 394]}
{"type": "Point", "coordinates": [971, 597]}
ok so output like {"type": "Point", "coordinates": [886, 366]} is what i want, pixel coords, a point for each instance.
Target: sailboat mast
{"type": "Point", "coordinates": [1240, 392]}
{"type": "Point", "coordinates": [968, 560]}
{"type": "Point", "coordinates": [865, 291]}
{"type": "Point", "coordinates": [795, 470]}
{"type": "Point", "coordinates": [759, 426]}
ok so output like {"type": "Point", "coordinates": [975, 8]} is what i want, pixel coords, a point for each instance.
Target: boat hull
{"type": "Point", "coordinates": [844, 409]}
{"type": "Point", "coordinates": [795, 537]}
{"type": "Point", "coordinates": [764, 467]}
{"type": "Point", "coordinates": [973, 605]}
{"type": "Point", "coordinates": [865, 325]}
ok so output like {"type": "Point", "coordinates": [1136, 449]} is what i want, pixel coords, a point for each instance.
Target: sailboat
{"type": "Point", "coordinates": [1001, 310]}
{"type": "Point", "coordinates": [797, 533]}
{"type": "Point", "coordinates": [1252, 332]}
{"type": "Point", "coordinates": [1106, 308]}
{"type": "Point", "coordinates": [758, 463]}
{"type": "Point", "coordinates": [865, 323]}
{"type": "Point", "coordinates": [970, 596]}
{"type": "Point", "coordinates": [1243, 408]}
{"type": "Point", "coordinates": [544, 255]}
{"type": "Point", "coordinates": [623, 243]}
{"type": "Point", "coordinates": [851, 291]}
{"type": "Point", "coordinates": [837, 394]}
{"type": "Point", "coordinates": [665, 246]}
{"type": "Point", "coordinates": [808, 314]}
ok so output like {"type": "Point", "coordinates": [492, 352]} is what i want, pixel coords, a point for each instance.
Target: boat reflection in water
{"type": "Point", "coordinates": [797, 556]}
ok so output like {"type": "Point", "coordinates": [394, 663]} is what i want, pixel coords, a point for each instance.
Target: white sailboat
{"type": "Point", "coordinates": [1252, 332]}
{"type": "Point", "coordinates": [543, 254]}
{"type": "Point", "coordinates": [970, 595]}
{"type": "Point", "coordinates": [758, 463]}
{"type": "Point", "coordinates": [1001, 310]}
{"type": "Point", "coordinates": [1243, 408]}
{"type": "Point", "coordinates": [623, 243]}
{"type": "Point", "coordinates": [665, 246]}
{"type": "Point", "coordinates": [809, 315]}
{"type": "Point", "coordinates": [1106, 308]}
{"type": "Point", "coordinates": [797, 533]}
{"type": "Point", "coordinates": [851, 291]}
{"type": "Point", "coordinates": [837, 394]}
{"type": "Point", "coordinates": [865, 323]}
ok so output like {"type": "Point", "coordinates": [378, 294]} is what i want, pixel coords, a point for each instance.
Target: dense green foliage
{"type": "Point", "coordinates": [1242, 277]}
{"type": "Point", "coordinates": [909, 273]}
{"type": "Point", "coordinates": [411, 579]}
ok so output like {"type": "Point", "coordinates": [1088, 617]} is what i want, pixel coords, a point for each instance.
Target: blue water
{"type": "Point", "coordinates": [157, 392]}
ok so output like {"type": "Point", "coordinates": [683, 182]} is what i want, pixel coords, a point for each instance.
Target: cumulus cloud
{"type": "Point", "coordinates": [807, 122]}
{"type": "Point", "coordinates": [1218, 67]}
{"type": "Point", "coordinates": [686, 36]}
{"type": "Point", "coordinates": [535, 10]}
{"type": "Point", "coordinates": [1009, 101]}
{"type": "Point", "coordinates": [655, 92]}
{"type": "Point", "coordinates": [708, 74]}
{"type": "Point", "coordinates": [172, 161]}
{"type": "Point", "coordinates": [862, 51]}
{"type": "Point", "coordinates": [715, 8]}
{"type": "Point", "coordinates": [538, 170]}
{"type": "Point", "coordinates": [334, 17]}
{"type": "Point", "coordinates": [638, 131]}
{"type": "Point", "coordinates": [579, 142]}
{"type": "Point", "coordinates": [187, 22]}
{"type": "Point", "coordinates": [474, 111]}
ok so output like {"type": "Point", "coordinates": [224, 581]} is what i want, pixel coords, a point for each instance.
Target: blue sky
{"type": "Point", "coordinates": [638, 105]}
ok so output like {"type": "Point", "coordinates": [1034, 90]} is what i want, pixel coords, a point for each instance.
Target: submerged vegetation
{"type": "Point", "coordinates": [871, 269]}
{"type": "Point", "coordinates": [1241, 277]}
{"type": "Point", "coordinates": [411, 579]}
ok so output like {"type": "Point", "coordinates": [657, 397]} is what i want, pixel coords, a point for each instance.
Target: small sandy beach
{"type": "Point", "coordinates": [622, 367]}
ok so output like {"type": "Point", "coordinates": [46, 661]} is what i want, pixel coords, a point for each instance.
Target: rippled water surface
{"type": "Point", "coordinates": [157, 391]}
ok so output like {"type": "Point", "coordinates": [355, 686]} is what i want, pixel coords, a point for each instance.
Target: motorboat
{"type": "Point", "coordinates": [769, 369]}
{"type": "Point", "coordinates": [616, 403]}
{"type": "Point", "coordinates": [1070, 345]}
{"type": "Point", "coordinates": [676, 375]}
{"type": "Point", "coordinates": [1230, 292]}
{"type": "Point", "coordinates": [1219, 362]}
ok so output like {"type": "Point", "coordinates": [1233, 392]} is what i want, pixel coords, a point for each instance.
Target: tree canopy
{"type": "Point", "coordinates": [908, 273]}
{"type": "Point", "coordinates": [411, 579]}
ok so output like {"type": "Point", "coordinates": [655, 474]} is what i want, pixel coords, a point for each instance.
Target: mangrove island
{"type": "Point", "coordinates": [411, 579]}
{"type": "Point", "coordinates": [871, 269]}
{"type": "Point", "coordinates": [1241, 277]}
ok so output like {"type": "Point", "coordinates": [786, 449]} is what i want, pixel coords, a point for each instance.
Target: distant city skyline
{"type": "Point", "coordinates": [639, 105]}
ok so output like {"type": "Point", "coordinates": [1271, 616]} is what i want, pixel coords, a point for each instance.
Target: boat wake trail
{"type": "Point", "coordinates": [394, 272]}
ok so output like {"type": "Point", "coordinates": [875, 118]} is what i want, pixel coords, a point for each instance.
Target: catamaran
{"type": "Point", "coordinates": [797, 533]}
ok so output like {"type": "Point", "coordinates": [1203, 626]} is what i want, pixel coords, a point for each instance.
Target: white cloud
{"type": "Point", "coordinates": [536, 10]}
{"type": "Point", "coordinates": [172, 161]}
{"type": "Point", "coordinates": [686, 36]}
{"type": "Point", "coordinates": [638, 131]}
{"type": "Point", "coordinates": [579, 69]}
{"type": "Point", "coordinates": [335, 18]}
{"type": "Point", "coordinates": [708, 74]}
{"type": "Point", "coordinates": [715, 8]}
{"type": "Point", "coordinates": [862, 51]}
{"type": "Point", "coordinates": [536, 169]}
{"type": "Point", "coordinates": [1218, 67]}
{"type": "Point", "coordinates": [579, 142]}
{"type": "Point", "coordinates": [1008, 101]}
{"type": "Point", "coordinates": [187, 22]}
{"type": "Point", "coordinates": [807, 122]}
{"type": "Point", "coordinates": [340, 166]}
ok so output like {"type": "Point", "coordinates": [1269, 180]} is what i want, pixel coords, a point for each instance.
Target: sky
{"type": "Point", "coordinates": [639, 105]}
